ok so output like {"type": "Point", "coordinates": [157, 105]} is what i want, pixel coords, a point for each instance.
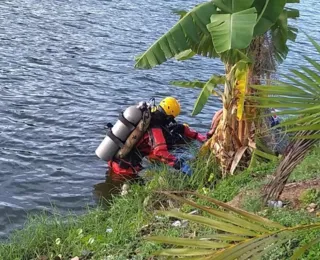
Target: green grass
{"type": "Point", "coordinates": [290, 218]}
{"type": "Point", "coordinates": [45, 235]}
{"type": "Point", "coordinates": [309, 168]}
{"type": "Point", "coordinates": [228, 188]}
{"type": "Point", "coordinates": [310, 196]}
{"type": "Point", "coordinates": [132, 217]}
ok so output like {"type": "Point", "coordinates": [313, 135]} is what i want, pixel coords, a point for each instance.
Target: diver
{"type": "Point", "coordinates": [148, 131]}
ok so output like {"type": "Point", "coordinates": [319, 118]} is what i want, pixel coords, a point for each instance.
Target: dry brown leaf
{"type": "Point", "coordinates": [237, 158]}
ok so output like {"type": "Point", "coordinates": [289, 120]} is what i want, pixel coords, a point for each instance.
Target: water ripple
{"type": "Point", "coordinates": [66, 70]}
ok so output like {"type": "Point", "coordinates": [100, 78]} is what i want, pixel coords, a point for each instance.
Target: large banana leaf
{"type": "Point", "coordinates": [281, 32]}
{"type": "Point", "coordinates": [185, 55]}
{"type": "Point", "coordinates": [246, 236]}
{"type": "Point", "coordinates": [292, 13]}
{"type": "Point", "coordinates": [233, 6]}
{"type": "Point", "coordinates": [269, 12]}
{"type": "Point", "coordinates": [190, 33]}
{"type": "Point", "coordinates": [186, 34]}
{"type": "Point", "coordinates": [232, 31]}
{"type": "Point", "coordinates": [206, 92]}
{"type": "Point", "coordinates": [189, 84]}
{"type": "Point", "coordinates": [275, 17]}
{"type": "Point", "coordinates": [204, 47]}
{"type": "Point", "coordinates": [181, 13]}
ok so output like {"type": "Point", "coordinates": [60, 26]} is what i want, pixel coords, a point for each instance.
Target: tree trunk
{"type": "Point", "coordinates": [233, 134]}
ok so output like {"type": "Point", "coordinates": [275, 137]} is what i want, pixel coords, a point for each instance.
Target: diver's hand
{"type": "Point", "coordinates": [201, 138]}
{"type": "Point", "coordinates": [186, 169]}
{"type": "Point", "coordinates": [215, 122]}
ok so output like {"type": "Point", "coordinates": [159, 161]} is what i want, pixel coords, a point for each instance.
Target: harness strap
{"type": "Point", "coordinates": [115, 139]}
{"type": "Point", "coordinates": [126, 122]}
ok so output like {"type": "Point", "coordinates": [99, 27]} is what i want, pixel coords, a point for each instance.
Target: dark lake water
{"type": "Point", "coordinates": [66, 70]}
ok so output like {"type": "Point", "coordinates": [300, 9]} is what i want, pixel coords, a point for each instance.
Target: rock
{"type": "Point", "coordinates": [310, 210]}
{"type": "Point", "coordinates": [178, 223]}
{"type": "Point", "coordinates": [275, 204]}
{"type": "Point", "coordinates": [109, 230]}
{"type": "Point", "coordinates": [312, 205]}
{"type": "Point", "coordinates": [124, 192]}
{"type": "Point", "coordinates": [75, 258]}
{"type": "Point", "coordinates": [124, 189]}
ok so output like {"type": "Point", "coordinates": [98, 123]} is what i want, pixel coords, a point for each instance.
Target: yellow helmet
{"type": "Point", "coordinates": [170, 106]}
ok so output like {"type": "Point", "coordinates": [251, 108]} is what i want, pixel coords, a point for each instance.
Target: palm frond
{"type": "Point", "coordinates": [240, 240]}
{"type": "Point", "coordinates": [299, 96]}
{"type": "Point", "coordinates": [300, 251]}
{"type": "Point", "coordinates": [294, 154]}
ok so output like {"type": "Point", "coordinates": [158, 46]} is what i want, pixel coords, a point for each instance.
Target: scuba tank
{"type": "Point", "coordinates": [127, 131]}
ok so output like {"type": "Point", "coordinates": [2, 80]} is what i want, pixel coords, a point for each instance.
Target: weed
{"type": "Point", "coordinates": [310, 196]}
{"type": "Point", "coordinates": [309, 168]}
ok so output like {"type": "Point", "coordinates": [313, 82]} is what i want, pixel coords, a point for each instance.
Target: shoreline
{"type": "Point", "coordinates": [119, 232]}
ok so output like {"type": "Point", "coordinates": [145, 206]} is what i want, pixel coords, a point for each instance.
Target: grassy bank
{"type": "Point", "coordinates": [118, 232]}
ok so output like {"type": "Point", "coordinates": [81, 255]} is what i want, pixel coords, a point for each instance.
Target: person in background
{"type": "Point", "coordinates": [274, 119]}
{"type": "Point", "coordinates": [163, 133]}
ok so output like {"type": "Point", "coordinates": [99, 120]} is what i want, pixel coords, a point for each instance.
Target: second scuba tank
{"type": "Point", "coordinates": [119, 133]}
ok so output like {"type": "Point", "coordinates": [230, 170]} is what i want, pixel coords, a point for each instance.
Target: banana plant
{"type": "Point", "coordinates": [242, 34]}
{"type": "Point", "coordinates": [236, 234]}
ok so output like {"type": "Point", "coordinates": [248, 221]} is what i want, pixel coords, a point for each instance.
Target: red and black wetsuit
{"type": "Point", "coordinates": [163, 133]}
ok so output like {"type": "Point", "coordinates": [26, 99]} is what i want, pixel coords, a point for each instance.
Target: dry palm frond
{"type": "Point", "coordinates": [236, 234]}
{"type": "Point", "coordinates": [294, 154]}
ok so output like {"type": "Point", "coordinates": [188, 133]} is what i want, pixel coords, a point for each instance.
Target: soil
{"type": "Point", "coordinates": [292, 191]}
{"type": "Point", "coordinates": [290, 195]}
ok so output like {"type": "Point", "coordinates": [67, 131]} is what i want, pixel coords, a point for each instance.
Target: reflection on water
{"type": "Point", "coordinates": [113, 185]}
